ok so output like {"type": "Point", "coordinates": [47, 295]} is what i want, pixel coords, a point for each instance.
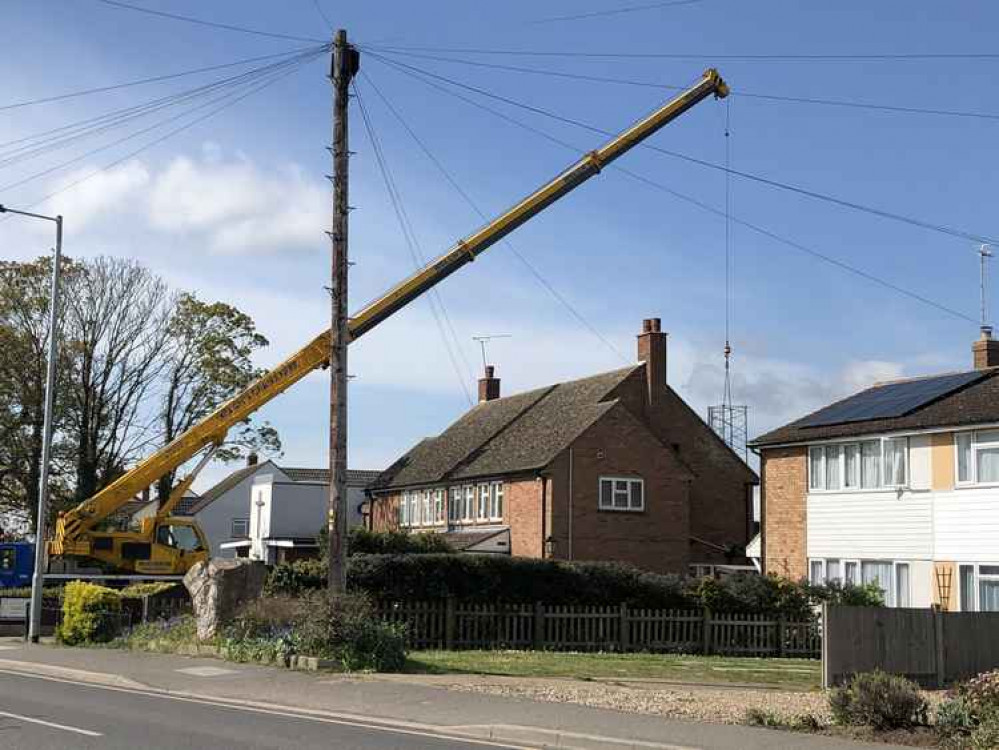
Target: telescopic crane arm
{"type": "Point", "coordinates": [212, 429]}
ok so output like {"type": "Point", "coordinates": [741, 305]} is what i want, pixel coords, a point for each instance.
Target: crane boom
{"type": "Point", "coordinates": [73, 525]}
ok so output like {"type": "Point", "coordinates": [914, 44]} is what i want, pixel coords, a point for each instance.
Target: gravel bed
{"type": "Point", "coordinates": [728, 705]}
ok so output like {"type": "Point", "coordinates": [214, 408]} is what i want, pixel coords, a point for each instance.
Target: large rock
{"type": "Point", "coordinates": [218, 587]}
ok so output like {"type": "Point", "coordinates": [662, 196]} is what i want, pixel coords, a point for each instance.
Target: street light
{"type": "Point", "coordinates": [38, 577]}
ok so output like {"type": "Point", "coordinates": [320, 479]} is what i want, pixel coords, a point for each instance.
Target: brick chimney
{"type": "Point", "coordinates": [652, 351]}
{"type": "Point", "coordinates": [986, 350]}
{"type": "Point", "coordinates": [489, 386]}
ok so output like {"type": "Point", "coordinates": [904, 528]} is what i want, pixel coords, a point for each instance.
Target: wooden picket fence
{"type": "Point", "coordinates": [451, 624]}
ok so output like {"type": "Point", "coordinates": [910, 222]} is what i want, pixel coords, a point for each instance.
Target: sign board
{"type": "Point", "coordinates": [14, 609]}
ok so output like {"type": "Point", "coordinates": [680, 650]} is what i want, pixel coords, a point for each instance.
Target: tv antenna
{"type": "Point", "coordinates": [985, 251]}
{"type": "Point", "coordinates": [483, 340]}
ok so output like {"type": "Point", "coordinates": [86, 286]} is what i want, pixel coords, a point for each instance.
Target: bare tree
{"type": "Point", "coordinates": [117, 315]}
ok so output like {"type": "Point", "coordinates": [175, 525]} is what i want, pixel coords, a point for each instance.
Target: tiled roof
{"type": "Point", "coordinates": [977, 403]}
{"type": "Point", "coordinates": [507, 435]}
{"type": "Point", "coordinates": [355, 477]}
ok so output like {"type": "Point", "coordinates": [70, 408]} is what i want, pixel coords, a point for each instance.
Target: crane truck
{"type": "Point", "coordinates": [170, 545]}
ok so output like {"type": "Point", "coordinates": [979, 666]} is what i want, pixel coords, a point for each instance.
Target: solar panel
{"type": "Point", "coordinates": [890, 400]}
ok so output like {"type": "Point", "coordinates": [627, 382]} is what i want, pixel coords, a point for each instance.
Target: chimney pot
{"type": "Point", "coordinates": [652, 351]}
{"type": "Point", "coordinates": [985, 351]}
{"type": "Point", "coordinates": [489, 385]}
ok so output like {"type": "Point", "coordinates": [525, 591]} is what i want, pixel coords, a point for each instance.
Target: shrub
{"type": "Point", "coordinates": [955, 717]}
{"type": "Point", "coordinates": [763, 717]}
{"type": "Point", "coordinates": [345, 629]}
{"type": "Point", "coordinates": [139, 590]}
{"type": "Point", "coordinates": [879, 700]}
{"type": "Point", "coordinates": [90, 614]}
{"type": "Point", "coordinates": [360, 541]}
{"type": "Point", "coordinates": [293, 578]}
{"type": "Point", "coordinates": [981, 692]}
{"type": "Point", "coordinates": [162, 635]}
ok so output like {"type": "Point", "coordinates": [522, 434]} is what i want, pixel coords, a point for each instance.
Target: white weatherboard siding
{"type": "Point", "coordinates": [967, 525]}
{"type": "Point", "coordinates": [870, 525]}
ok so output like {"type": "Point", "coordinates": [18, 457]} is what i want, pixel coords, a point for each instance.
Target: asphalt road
{"type": "Point", "coordinates": [44, 714]}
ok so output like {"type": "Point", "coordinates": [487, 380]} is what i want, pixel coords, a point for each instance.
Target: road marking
{"type": "Point", "coordinates": [9, 648]}
{"type": "Point", "coordinates": [51, 725]}
{"type": "Point", "coordinates": [392, 726]}
{"type": "Point", "coordinates": [206, 671]}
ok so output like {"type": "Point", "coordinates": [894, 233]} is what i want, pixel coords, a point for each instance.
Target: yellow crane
{"type": "Point", "coordinates": [167, 544]}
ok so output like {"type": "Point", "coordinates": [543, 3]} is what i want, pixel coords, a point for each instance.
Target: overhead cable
{"type": "Point", "coordinates": [614, 11]}
{"type": "Point", "coordinates": [734, 92]}
{"type": "Point", "coordinates": [482, 215]}
{"type": "Point", "coordinates": [212, 24]}
{"type": "Point", "coordinates": [142, 81]}
{"type": "Point", "coordinates": [912, 221]}
{"type": "Point", "coordinates": [825, 258]}
{"type": "Point", "coordinates": [434, 298]}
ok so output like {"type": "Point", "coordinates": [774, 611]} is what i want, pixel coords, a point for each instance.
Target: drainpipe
{"type": "Point", "coordinates": [544, 513]}
{"type": "Point", "coordinates": [570, 504]}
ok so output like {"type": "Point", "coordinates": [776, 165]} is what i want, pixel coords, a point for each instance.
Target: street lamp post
{"type": "Point", "coordinates": [38, 577]}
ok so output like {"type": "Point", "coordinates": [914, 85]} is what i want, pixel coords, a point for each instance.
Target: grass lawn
{"type": "Point", "coordinates": [800, 674]}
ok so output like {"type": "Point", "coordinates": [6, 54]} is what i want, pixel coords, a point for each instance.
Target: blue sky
{"type": "Point", "coordinates": [235, 207]}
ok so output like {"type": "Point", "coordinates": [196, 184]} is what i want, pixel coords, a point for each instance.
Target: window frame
{"type": "Point", "coordinates": [841, 447]}
{"type": "Point", "coordinates": [437, 503]}
{"type": "Point", "coordinates": [468, 503]}
{"type": "Point", "coordinates": [891, 591]}
{"type": "Point", "coordinates": [613, 508]}
{"type": "Point", "coordinates": [496, 501]}
{"type": "Point", "coordinates": [976, 579]}
{"type": "Point", "coordinates": [975, 447]}
{"type": "Point", "coordinates": [232, 527]}
{"type": "Point", "coordinates": [482, 501]}
{"type": "Point", "coordinates": [454, 501]}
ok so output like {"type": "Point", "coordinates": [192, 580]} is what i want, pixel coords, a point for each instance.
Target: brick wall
{"type": "Point", "coordinates": [620, 445]}
{"type": "Point", "coordinates": [720, 495]}
{"type": "Point", "coordinates": [785, 485]}
{"type": "Point", "coordinates": [522, 512]}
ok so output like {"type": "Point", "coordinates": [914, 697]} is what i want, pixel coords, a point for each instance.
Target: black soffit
{"type": "Point", "coordinates": [890, 400]}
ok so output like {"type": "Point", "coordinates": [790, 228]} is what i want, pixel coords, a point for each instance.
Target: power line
{"type": "Point", "coordinates": [212, 24]}
{"type": "Point", "coordinates": [69, 134]}
{"type": "Point", "coordinates": [482, 215]}
{"type": "Point", "coordinates": [141, 81]}
{"type": "Point", "coordinates": [842, 265]}
{"type": "Point", "coordinates": [412, 243]}
{"type": "Point", "coordinates": [233, 99]}
{"type": "Point", "coordinates": [614, 11]}
{"type": "Point", "coordinates": [912, 221]}
{"type": "Point", "coordinates": [319, 9]}
{"type": "Point", "coordinates": [735, 92]}
{"type": "Point", "coordinates": [262, 72]}
{"type": "Point", "coordinates": [707, 56]}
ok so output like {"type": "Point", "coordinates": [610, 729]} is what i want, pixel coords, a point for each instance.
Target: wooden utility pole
{"type": "Point", "coordinates": [344, 66]}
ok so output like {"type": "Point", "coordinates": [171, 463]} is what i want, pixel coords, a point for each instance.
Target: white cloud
{"type": "Point", "coordinates": [238, 207]}
{"type": "Point", "coordinates": [100, 195]}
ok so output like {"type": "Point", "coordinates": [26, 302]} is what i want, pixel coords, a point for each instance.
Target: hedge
{"type": "Point", "coordinates": [490, 578]}
{"type": "Point", "coordinates": [90, 614]}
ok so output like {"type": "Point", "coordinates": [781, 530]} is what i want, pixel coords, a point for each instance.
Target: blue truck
{"type": "Point", "coordinates": [17, 562]}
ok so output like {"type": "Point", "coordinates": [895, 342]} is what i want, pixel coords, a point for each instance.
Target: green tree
{"type": "Point", "coordinates": [24, 337]}
{"type": "Point", "coordinates": [208, 361]}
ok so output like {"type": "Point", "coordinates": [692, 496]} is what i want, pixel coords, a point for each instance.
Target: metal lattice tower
{"type": "Point", "coordinates": [730, 421]}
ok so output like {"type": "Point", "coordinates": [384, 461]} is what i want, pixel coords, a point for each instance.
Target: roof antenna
{"type": "Point", "coordinates": [483, 340]}
{"type": "Point", "coordinates": [985, 251]}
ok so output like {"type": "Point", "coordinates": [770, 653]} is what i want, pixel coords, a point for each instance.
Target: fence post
{"type": "Point", "coordinates": [938, 637]}
{"type": "Point", "coordinates": [625, 628]}
{"type": "Point", "coordinates": [539, 626]}
{"type": "Point", "coordinates": [706, 634]}
{"type": "Point", "coordinates": [450, 621]}
{"type": "Point", "coordinates": [27, 621]}
{"type": "Point", "coordinates": [781, 634]}
{"type": "Point", "coordinates": [145, 609]}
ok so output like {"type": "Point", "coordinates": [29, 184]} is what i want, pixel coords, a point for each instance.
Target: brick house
{"type": "Point", "coordinates": [610, 467]}
{"type": "Point", "coordinates": [897, 484]}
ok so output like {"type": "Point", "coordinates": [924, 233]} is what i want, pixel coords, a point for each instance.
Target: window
{"type": "Point", "coordinates": [179, 537]}
{"type": "Point", "coordinates": [483, 511]}
{"type": "Point", "coordinates": [979, 588]}
{"type": "Point", "coordinates": [496, 502]}
{"type": "Point", "coordinates": [240, 528]}
{"type": "Point", "coordinates": [468, 509]}
{"type": "Point", "coordinates": [454, 504]}
{"type": "Point", "coordinates": [878, 572]}
{"type": "Point", "coordinates": [833, 571]}
{"type": "Point", "coordinates": [901, 584]}
{"type": "Point", "coordinates": [428, 511]}
{"type": "Point", "coordinates": [815, 572]}
{"type": "Point", "coordinates": [404, 509]}
{"type": "Point", "coordinates": [625, 494]}
{"type": "Point", "coordinates": [850, 573]}
{"type": "Point", "coordinates": [869, 464]}
{"type": "Point", "coordinates": [978, 457]}
{"type": "Point", "coordinates": [439, 506]}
